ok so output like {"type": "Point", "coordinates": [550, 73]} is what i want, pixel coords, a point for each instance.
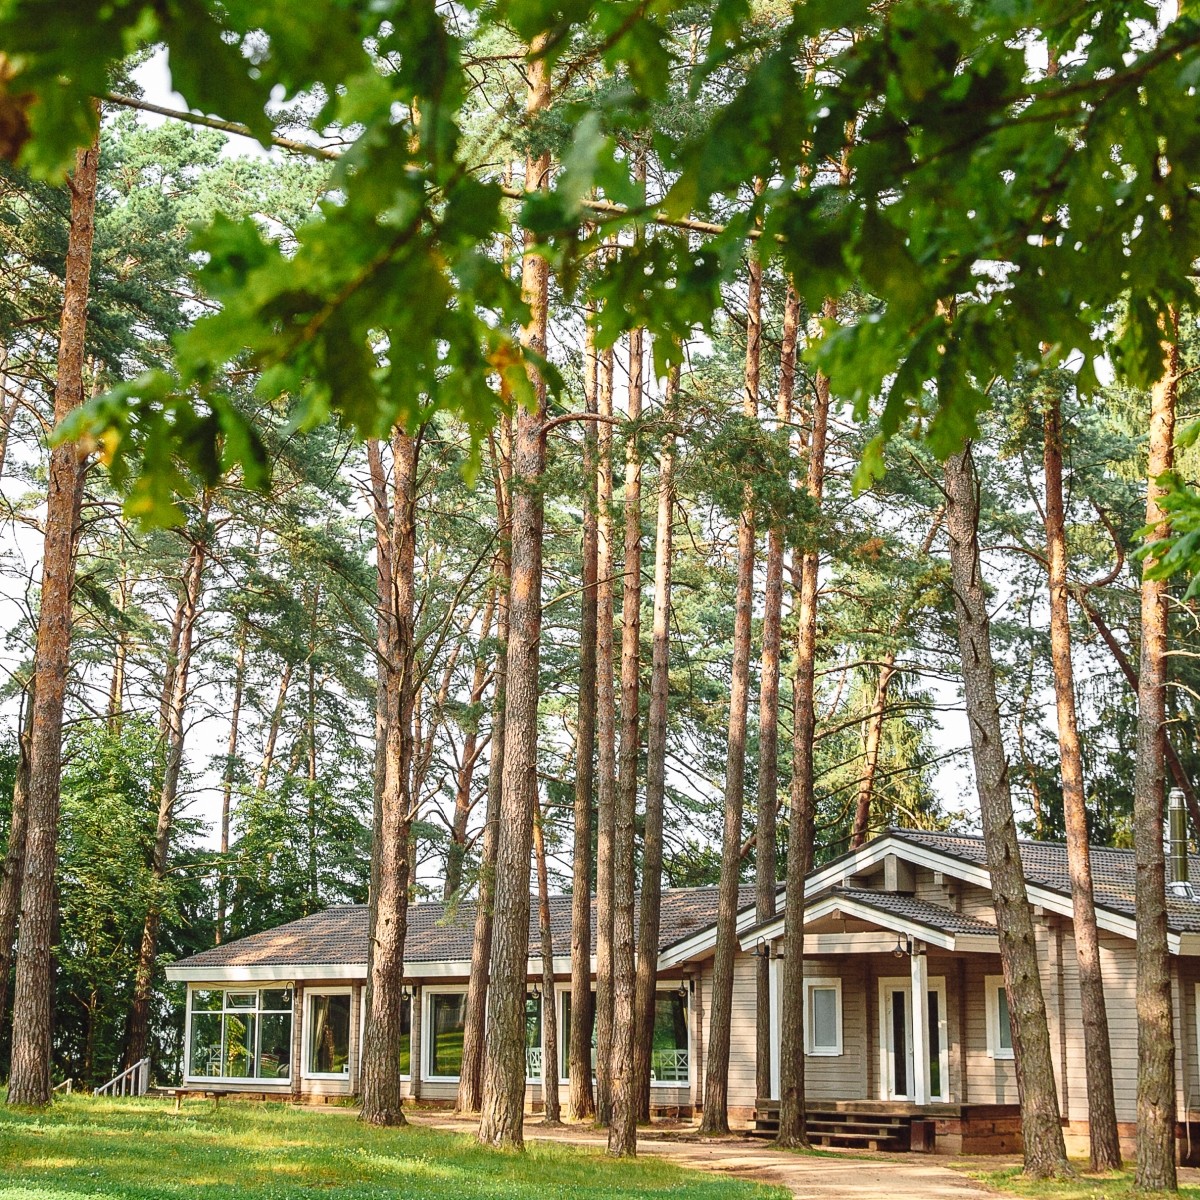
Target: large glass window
{"type": "Point", "coordinates": [669, 1049]}
{"type": "Point", "coordinates": [329, 1033]}
{"type": "Point", "coordinates": [243, 1034]}
{"type": "Point", "coordinates": [406, 1035]}
{"type": "Point", "coordinates": [447, 1025]}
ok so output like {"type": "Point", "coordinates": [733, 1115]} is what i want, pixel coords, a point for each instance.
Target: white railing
{"type": "Point", "coordinates": [533, 1062]}
{"type": "Point", "coordinates": [67, 1085]}
{"type": "Point", "coordinates": [133, 1081]}
{"type": "Point", "coordinates": [669, 1066]}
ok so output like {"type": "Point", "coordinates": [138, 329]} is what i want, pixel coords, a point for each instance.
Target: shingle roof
{"type": "Point", "coordinates": [921, 912]}
{"type": "Point", "coordinates": [1045, 863]}
{"type": "Point", "coordinates": [437, 932]}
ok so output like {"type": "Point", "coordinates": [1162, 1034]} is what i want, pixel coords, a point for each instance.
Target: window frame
{"type": "Point", "coordinates": [992, 985]}
{"type": "Point", "coordinates": [823, 982]}
{"type": "Point", "coordinates": [309, 996]}
{"type": "Point", "coordinates": [562, 993]}
{"type": "Point", "coordinates": [258, 1011]}
{"type": "Point", "coordinates": [427, 995]}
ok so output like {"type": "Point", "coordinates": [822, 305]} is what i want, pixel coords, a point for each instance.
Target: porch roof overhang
{"type": "Point", "coordinates": [892, 915]}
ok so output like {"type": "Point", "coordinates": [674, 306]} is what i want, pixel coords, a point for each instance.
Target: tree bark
{"type": "Point", "coordinates": [1045, 1154]}
{"type": "Point", "coordinates": [581, 1099]}
{"type": "Point", "coordinates": [470, 1081]}
{"type": "Point", "coordinates": [464, 802]}
{"type": "Point", "coordinates": [395, 552]}
{"type": "Point", "coordinates": [553, 1113]}
{"type": "Point", "coordinates": [172, 733]}
{"type": "Point", "coordinates": [504, 1070]}
{"type": "Point", "coordinates": [13, 869]}
{"type": "Point", "coordinates": [268, 758]}
{"type": "Point", "coordinates": [792, 1117]}
{"type": "Point", "coordinates": [29, 1081]}
{"type": "Point", "coordinates": [227, 777]}
{"type": "Point", "coordinates": [606, 751]}
{"type": "Point", "coordinates": [656, 761]}
{"type": "Point", "coordinates": [1104, 1145]}
{"type": "Point", "coordinates": [622, 1133]}
{"type": "Point", "coordinates": [716, 1076]}
{"type": "Point", "coordinates": [1156, 1038]}
{"type": "Point", "coordinates": [766, 866]}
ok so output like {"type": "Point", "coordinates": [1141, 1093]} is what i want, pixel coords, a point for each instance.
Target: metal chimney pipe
{"type": "Point", "coordinates": [1177, 832]}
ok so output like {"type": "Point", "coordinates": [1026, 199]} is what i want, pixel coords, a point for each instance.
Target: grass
{"type": "Point", "coordinates": [1116, 1185]}
{"type": "Point", "coordinates": [139, 1150]}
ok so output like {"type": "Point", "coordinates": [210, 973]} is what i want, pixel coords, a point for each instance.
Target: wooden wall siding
{"type": "Point", "coordinates": [990, 1081]}
{"type": "Point", "coordinates": [1189, 1074]}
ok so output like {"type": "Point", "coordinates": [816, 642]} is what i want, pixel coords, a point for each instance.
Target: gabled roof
{"type": "Point", "coordinates": [1045, 863]}
{"type": "Point", "coordinates": [438, 933]}
{"type": "Point", "coordinates": [918, 912]}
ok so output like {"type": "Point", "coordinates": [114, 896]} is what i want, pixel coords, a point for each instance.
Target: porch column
{"type": "Point", "coordinates": [920, 1022]}
{"type": "Point", "coordinates": [773, 996]}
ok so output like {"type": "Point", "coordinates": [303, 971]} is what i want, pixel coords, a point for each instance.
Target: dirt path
{"type": "Point", "coordinates": [829, 1176]}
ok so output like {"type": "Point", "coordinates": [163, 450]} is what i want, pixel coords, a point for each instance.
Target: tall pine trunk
{"type": "Point", "coordinates": [792, 1119]}
{"type": "Point", "coordinates": [1156, 1037]}
{"type": "Point", "coordinates": [1045, 1154]}
{"type": "Point", "coordinates": [29, 1080]}
{"type": "Point", "coordinates": [650, 910]}
{"type": "Point", "coordinates": [581, 1100]}
{"type": "Point", "coordinates": [470, 1079]}
{"type": "Point", "coordinates": [553, 1113]}
{"type": "Point", "coordinates": [622, 1133]}
{"type": "Point", "coordinates": [504, 1068]}
{"type": "Point", "coordinates": [1104, 1146]}
{"type": "Point", "coordinates": [606, 748]}
{"type": "Point", "coordinates": [13, 868]}
{"type": "Point", "coordinates": [395, 550]}
{"type": "Point", "coordinates": [720, 1011]}
{"type": "Point", "coordinates": [766, 865]}
{"type": "Point", "coordinates": [171, 734]}
{"type": "Point", "coordinates": [227, 778]}
{"type": "Point", "coordinates": [464, 801]}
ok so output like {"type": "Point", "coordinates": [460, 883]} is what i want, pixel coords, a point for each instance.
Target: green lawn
{"type": "Point", "coordinates": [1115, 1186]}
{"type": "Point", "coordinates": [140, 1150]}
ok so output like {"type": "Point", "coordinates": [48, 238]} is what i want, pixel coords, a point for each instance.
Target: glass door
{"type": "Point", "coordinates": [896, 1040]}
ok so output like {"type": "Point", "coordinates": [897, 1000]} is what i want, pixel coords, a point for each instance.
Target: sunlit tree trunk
{"type": "Point", "coordinates": [172, 735]}
{"type": "Point", "coordinates": [473, 745]}
{"type": "Point", "coordinates": [470, 1080]}
{"type": "Point", "coordinates": [720, 1011]}
{"type": "Point", "coordinates": [1045, 1154]}
{"type": "Point", "coordinates": [766, 858]}
{"type": "Point", "coordinates": [227, 778]}
{"type": "Point", "coordinates": [622, 1133]}
{"type": "Point", "coordinates": [504, 1067]}
{"type": "Point", "coordinates": [1105, 1148]}
{"type": "Point", "coordinates": [1156, 1036]}
{"type": "Point", "coordinates": [656, 762]}
{"type": "Point", "coordinates": [581, 1100]}
{"type": "Point", "coordinates": [606, 749]}
{"type": "Point", "coordinates": [29, 1079]}
{"type": "Point", "coordinates": [792, 1120]}
{"type": "Point", "coordinates": [553, 1114]}
{"type": "Point", "coordinates": [395, 551]}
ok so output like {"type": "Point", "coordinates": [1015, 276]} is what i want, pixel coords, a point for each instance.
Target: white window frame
{"type": "Point", "coordinates": [427, 995]}
{"type": "Point", "coordinates": [362, 1025]}
{"type": "Point", "coordinates": [811, 984]}
{"type": "Point", "coordinates": [562, 990]}
{"type": "Point", "coordinates": [309, 996]}
{"type": "Point", "coordinates": [992, 985]}
{"type": "Point", "coordinates": [238, 1080]}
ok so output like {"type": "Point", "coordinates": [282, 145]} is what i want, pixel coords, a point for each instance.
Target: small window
{"type": "Point", "coordinates": [669, 1061]}
{"type": "Point", "coordinates": [329, 1034]}
{"type": "Point", "coordinates": [999, 1021]}
{"type": "Point", "coordinates": [406, 1035]}
{"type": "Point", "coordinates": [823, 1017]}
{"type": "Point", "coordinates": [533, 1035]}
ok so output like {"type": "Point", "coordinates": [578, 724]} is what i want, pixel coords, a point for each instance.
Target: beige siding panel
{"type": "Point", "coordinates": [990, 1081]}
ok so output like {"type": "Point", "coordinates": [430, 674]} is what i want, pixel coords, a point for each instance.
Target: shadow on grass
{"type": "Point", "coordinates": [141, 1150]}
